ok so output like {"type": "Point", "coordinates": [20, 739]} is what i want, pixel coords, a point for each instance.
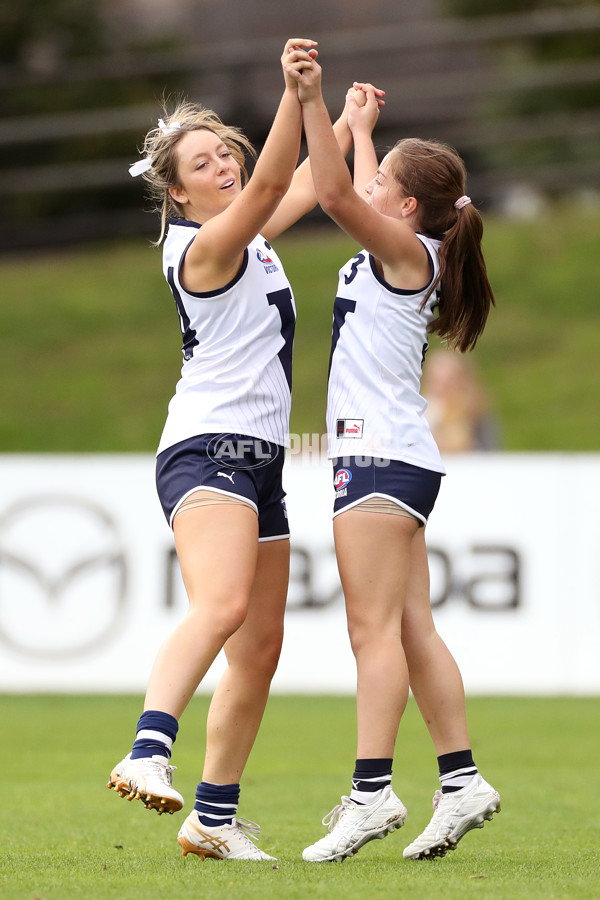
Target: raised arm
{"type": "Point", "coordinates": [301, 196]}
{"type": "Point", "coordinates": [364, 104]}
{"type": "Point", "coordinates": [389, 239]}
{"type": "Point", "coordinates": [215, 254]}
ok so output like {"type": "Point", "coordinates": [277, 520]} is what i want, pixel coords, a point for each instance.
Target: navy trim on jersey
{"type": "Point", "coordinates": [188, 223]}
{"type": "Point", "coordinates": [395, 290]}
{"type": "Point", "coordinates": [207, 294]}
{"type": "Point", "coordinates": [189, 335]}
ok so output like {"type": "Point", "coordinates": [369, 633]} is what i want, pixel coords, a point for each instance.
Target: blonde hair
{"type": "Point", "coordinates": [160, 146]}
{"type": "Point", "coordinates": [435, 175]}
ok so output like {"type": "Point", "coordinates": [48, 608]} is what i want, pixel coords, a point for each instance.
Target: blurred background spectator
{"type": "Point", "coordinates": [459, 409]}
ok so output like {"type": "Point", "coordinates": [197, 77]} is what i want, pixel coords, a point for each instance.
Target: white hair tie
{"type": "Point", "coordinates": [462, 201]}
{"type": "Point", "coordinates": [144, 165]}
{"type": "Point", "coordinates": [141, 166]}
{"type": "Point", "coordinates": [168, 129]}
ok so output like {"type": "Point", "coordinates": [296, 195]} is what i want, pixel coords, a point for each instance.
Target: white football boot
{"type": "Point", "coordinates": [351, 825]}
{"type": "Point", "coordinates": [149, 780]}
{"type": "Point", "coordinates": [454, 815]}
{"type": "Point", "coordinates": [235, 841]}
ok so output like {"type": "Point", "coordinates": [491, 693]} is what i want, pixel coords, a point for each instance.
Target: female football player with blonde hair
{"type": "Point", "coordinates": [221, 453]}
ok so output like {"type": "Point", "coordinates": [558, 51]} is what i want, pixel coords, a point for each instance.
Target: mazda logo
{"type": "Point", "coordinates": [63, 576]}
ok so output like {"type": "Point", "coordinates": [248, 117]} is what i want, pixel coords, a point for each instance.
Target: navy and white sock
{"type": "Point", "coordinates": [456, 770]}
{"type": "Point", "coordinates": [155, 735]}
{"type": "Point", "coordinates": [216, 804]}
{"type": "Point", "coordinates": [370, 777]}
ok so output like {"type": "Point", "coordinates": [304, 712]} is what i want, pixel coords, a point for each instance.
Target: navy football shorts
{"type": "Point", "coordinates": [357, 478]}
{"type": "Point", "coordinates": [235, 464]}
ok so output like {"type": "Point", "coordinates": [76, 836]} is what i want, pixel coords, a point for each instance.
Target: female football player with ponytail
{"type": "Point", "coordinates": [421, 270]}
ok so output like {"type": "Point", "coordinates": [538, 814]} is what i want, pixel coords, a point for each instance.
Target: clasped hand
{"type": "Point", "coordinates": [302, 72]}
{"type": "Point", "coordinates": [364, 102]}
{"type": "Point", "coordinates": [298, 56]}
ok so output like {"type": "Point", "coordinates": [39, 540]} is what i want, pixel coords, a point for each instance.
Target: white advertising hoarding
{"type": "Point", "coordinates": [90, 586]}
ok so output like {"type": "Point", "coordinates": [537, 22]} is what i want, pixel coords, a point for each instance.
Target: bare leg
{"type": "Point", "coordinates": [435, 679]}
{"type": "Point", "coordinates": [438, 689]}
{"type": "Point", "coordinates": [373, 553]}
{"type": "Point", "coordinates": [217, 551]}
{"type": "Point", "coordinates": [239, 701]}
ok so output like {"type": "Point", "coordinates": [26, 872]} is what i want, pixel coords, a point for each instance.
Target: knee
{"type": "Point", "coordinates": [361, 634]}
{"type": "Point", "coordinates": [368, 636]}
{"type": "Point", "coordinates": [262, 658]}
{"type": "Point", "coordinates": [420, 648]}
{"type": "Point", "coordinates": [417, 631]}
{"type": "Point", "coordinates": [222, 615]}
{"type": "Point", "coordinates": [269, 653]}
{"type": "Point", "coordinates": [233, 614]}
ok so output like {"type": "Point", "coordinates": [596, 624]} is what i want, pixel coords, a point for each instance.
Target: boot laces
{"type": "Point", "coordinates": [249, 829]}
{"type": "Point", "coordinates": [332, 818]}
{"type": "Point", "coordinates": [164, 772]}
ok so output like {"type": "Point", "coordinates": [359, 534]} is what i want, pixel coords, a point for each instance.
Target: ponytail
{"type": "Point", "coordinates": [435, 175]}
{"type": "Point", "coordinates": [465, 293]}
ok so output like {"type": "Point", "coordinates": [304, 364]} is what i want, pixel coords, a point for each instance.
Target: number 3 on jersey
{"type": "Point", "coordinates": [356, 262]}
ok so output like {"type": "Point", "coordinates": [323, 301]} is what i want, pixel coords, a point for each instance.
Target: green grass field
{"type": "Point", "coordinates": [90, 345]}
{"type": "Point", "coordinates": [63, 835]}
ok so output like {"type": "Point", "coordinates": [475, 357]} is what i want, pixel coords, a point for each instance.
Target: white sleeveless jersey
{"type": "Point", "coordinates": [237, 347]}
{"type": "Point", "coordinates": [374, 407]}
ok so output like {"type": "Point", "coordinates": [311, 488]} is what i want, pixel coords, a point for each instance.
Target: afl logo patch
{"type": "Point", "coordinates": [341, 478]}
{"type": "Point", "coordinates": [265, 260]}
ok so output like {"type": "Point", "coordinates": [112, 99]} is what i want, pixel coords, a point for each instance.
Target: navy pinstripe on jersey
{"type": "Point", "coordinates": [237, 347]}
{"type": "Point", "coordinates": [379, 339]}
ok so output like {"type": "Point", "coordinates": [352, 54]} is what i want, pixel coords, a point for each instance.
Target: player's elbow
{"type": "Point", "coordinates": [273, 192]}
{"type": "Point", "coordinates": [335, 204]}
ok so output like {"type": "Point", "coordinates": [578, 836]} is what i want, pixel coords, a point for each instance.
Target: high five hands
{"type": "Point", "coordinates": [298, 55]}
{"type": "Point", "coordinates": [364, 102]}
{"type": "Point", "coordinates": [302, 71]}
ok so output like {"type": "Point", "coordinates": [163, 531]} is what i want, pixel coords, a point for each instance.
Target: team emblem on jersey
{"type": "Point", "coordinates": [341, 478]}
{"type": "Point", "coordinates": [267, 262]}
